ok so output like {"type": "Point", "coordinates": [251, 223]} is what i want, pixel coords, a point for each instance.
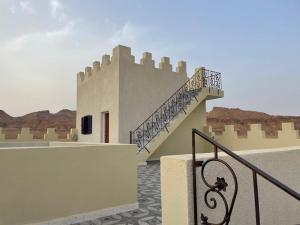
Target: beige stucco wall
{"type": "Point", "coordinates": [129, 91]}
{"type": "Point", "coordinates": [25, 135]}
{"type": "Point", "coordinates": [180, 141]}
{"type": "Point", "coordinates": [4, 144]}
{"type": "Point", "coordinates": [97, 92]}
{"type": "Point", "coordinates": [256, 138]}
{"type": "Point", "coordinates": [184, 131]}
{"type": "Point", "coordinates": [144, 87]}
{"type": "Point", "coordinates": [276, 207]}
{"type": "Point", "coordinates": [44, 183]}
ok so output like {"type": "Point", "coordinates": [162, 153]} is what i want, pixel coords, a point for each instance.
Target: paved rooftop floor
{"type": "Point", "coordinates": [149, 198]}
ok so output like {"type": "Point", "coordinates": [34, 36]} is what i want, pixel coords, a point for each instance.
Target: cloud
{"type": "Point", "coordinates": [127, 34]}
{"type": "Point", "coordinates": [27, 7]}
{"type": "Point", "coordinates": [37, 39]}
{"type": "Point", "coordinates": [12, 9]}
{"type": "Point", "coordinates": [57, 10]}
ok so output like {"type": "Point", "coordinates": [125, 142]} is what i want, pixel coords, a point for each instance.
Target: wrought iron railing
{"type": "Point", "coordinates": [220, 185]}
{"type": "Point", "coordinates": [176, 104]}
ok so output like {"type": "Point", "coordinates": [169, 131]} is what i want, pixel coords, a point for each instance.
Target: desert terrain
{"type": "Point", "coordinates": [65, 119]}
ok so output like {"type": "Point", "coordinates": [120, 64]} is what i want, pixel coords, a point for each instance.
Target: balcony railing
{"type": "Point", "coordinates": [220, 185]}
{"type": "Point", "coordinates": [173, 106]}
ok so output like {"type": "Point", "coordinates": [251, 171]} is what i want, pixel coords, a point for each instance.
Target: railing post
{"type": "Point", "coordinates": [216, 152]}
{"type": "Point", "coordinates": [203, 77]}
{"type": "Point", "coordinates": [143, 135]}
{"type": "Point", "coordinates": [256, 199]}
{"type": "Point", "coordinates": [194, 181]}
{"type": "Point", "coordinates": [130, 137]}
{"type": "Point", "coordinates": [152, 127]}
{"type": "Point", "coordinates": [161, 119]}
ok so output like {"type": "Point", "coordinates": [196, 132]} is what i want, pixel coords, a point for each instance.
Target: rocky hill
{"type": "Point", "coordinates": [64, 120]}
{"type": "Point", "coordinates": [38, 122]}
{"type": "Point", "coordinates": [241, 119]}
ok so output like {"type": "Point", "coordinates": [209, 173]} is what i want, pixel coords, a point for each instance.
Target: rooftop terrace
{"type": "Point", "coordinates": [149, 198]}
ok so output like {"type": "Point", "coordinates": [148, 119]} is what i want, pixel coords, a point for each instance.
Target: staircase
{"type": "Point", "coordinates": [148, 136]}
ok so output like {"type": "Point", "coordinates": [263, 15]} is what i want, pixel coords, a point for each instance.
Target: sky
{"type": "Point", "coordinates": [254, 44]}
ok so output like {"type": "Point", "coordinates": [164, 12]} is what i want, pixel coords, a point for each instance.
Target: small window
{"type": "Point", "coordinates": [86, 124]}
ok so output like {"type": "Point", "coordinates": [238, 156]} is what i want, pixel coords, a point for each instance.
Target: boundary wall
{"type": "Point", "coordinates": [276, 207]}
{"type": "Point", "coordinates": [66, 183]}
{"type": "Point", "coordinates": [51, 135]}
{"type": "Point", "coordinates": [256, 137]}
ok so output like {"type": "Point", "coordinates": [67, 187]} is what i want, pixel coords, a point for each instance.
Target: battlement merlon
{"type": "Point", "coordinates": [123, 54]}
{"type": "Point", "coordinates": [25, 135]}
{"type": "Point", "coordinates": [181, 67]}
{"type": "Point", "coordinates": [147, 60]}
{"type": "Point", "coordinates": [96, 66]}
{"type": "Point", "coordinates": [165, 64]}
{"type": "Point", "coordinates": [288, 129]}
{"type": "Point", "coordinates": [80, 77]}
{"type": "Point", "coordinates": [105, 60]}
{"type": "Point", "coordinates": [88, 71]}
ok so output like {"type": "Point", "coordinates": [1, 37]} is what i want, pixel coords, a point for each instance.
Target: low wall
{"type": "Point", "coordinates": [66, 184]}
{"type": "Point", "coordinates": [256, 138]}
{"type": "Point", "coordinates": [8, 144]}
{"type": "Point", "coordinates": [276, 207]}
{"type": "Point", "coordinates": [25, 135]}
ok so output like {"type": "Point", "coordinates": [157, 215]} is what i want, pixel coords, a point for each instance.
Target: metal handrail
{"type": "Point", "coordinates": [220, 184]}
{"type": "Point", "coordinates": [152, 126]}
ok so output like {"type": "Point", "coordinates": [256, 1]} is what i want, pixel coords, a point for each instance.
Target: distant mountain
{"type": "Point", "coordinates": [65, 119]}
{"type": "Point", "coordinates": [38, 122]}
{"type": "Point", "coordinates": [220, 116]}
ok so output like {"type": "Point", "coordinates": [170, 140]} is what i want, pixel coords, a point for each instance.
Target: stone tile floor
{"type": "Point", "coordinates": [149, 198]}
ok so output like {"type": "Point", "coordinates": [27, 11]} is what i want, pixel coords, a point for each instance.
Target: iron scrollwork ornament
{"type": "Point", "coordinates": [218, 188]}
{"type": "Point", "coordinates": [175, 105]}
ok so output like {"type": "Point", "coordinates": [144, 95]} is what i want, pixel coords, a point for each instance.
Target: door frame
{"type": "Point", "coordinates": [103, 126]}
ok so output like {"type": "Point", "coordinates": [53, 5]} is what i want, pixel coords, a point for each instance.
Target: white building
{"type": "Point", "coordinates": [117, 95]}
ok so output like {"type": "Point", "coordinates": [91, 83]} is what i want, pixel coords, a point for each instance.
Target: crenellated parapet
{"type": "Point", "coordinates": [92, 71]}
{"type": "Point", "coordinates": [256, 137]}
{"type": "Point", "coordinates": [122, 55]}
{"type": "Point", "coordinates": [256, 130]}
{"type": "Point", "coordinates": [25, 134]}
